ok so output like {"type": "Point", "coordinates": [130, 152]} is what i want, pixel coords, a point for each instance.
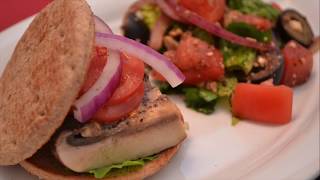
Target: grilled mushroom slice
{"type": "Point", "coordinates": [155, 126]}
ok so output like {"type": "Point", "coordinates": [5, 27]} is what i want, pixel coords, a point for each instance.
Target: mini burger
{"type": "Point", "coordinates": [75, 103]}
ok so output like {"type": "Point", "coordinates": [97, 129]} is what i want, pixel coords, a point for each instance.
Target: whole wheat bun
{"type": "Point", "coordinates": [43, 77]}
{"type": "Point", "coordinates": [44, 165]}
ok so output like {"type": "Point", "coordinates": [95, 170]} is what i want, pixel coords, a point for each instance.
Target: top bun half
{"type": "Point", "coordinates": [43, 77]}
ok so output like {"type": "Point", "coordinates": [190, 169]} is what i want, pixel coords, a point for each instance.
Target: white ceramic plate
{"type": "Point", "coordinates": [214, 148]}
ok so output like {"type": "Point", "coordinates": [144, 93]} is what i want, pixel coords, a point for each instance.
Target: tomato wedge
{"type": "Point", "coordinates": [197, 60]}
{"type": "Point", "coordinates": [263, 103]}
{"type": "Point", "coordinates": [98, 61]}
{"type": "Point", "coordinates": [131, 78]}
{"type": "Point", "coordinates": [298, 64]}
{"type": "Point", "coordinates": [112, 113]}
{"type": "Point", "coordinates": [211, 10]}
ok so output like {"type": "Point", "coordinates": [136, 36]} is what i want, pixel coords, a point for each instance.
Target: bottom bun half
{"type": "Point", "coordinates": [44, 165]}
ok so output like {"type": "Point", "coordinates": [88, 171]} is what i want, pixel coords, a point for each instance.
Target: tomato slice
{"type": "Point", "coordinates": [211, 10]}
{"type": "Point", "coordinates": [131, 78]}
{"type": "Point", "coordinates": [98, 61]}
{"type": "Point", "coordinates": [298, 64]}
{"type": "Point", "coordinates": [112, 113]}
{"type": "Point", "coordinates": [263, 103]}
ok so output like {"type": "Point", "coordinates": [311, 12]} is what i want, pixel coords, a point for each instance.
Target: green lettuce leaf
{"type": "Point", "coordinates": [103, 172]}
{"type": "Point", "coordinates": [237, 57]}
{"type": "Point", "coordinates": [199, 99]}
{"type": "Point", "coordinates": [255, 7]}
{"type": "Point", "coordinates": [235, 121]}
{"type": "Point", "coordinates": [225, 88]}
{"type": "Point", "coordinates": [246, 30]}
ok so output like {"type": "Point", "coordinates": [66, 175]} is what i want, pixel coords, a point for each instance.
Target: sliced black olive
{"type": "Point", "coordinates": [277, 75]}
{"type": "Point", "coordinates": [134, 28]}
{"type": "Point", "coordinates": [293, 25]}
{"type": "Point", "coordinates": [267, 66]}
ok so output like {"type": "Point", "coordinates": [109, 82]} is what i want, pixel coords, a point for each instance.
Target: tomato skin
{"type": "Point", "coordinates": [211, 10]}
{"type": "Point", "coordinates": [198, 61]}
{"type": "Point", "coordinates": [298, 64]}
{"type": "Point", "coordinates": [263, 103]}
{"type": "Point", "coordinates": [276, 6]}
{"type": "Point", "coordinates": [115, 112]}
{"type": "Point", "coordinates": [98, 61]}
{"type": "Point", "coordinates": [131, 78]}
{"type": "Point", "coordinates": [236, 16]}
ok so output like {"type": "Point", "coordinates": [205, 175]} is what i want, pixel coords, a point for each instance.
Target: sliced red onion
{"type": "Point", "coordinates": [101, 26]}
{"type": "Point", "coordinates": [101, 91]}
{"type": "Point", "coordinates": [168, 10]}
{"type": "Point", "coordinates": [158, 31]}
{"type": "Point", "coordinates": [216, 29]}
{"type": "Point", "coordinates": [151, 57]}
{"type": "Point", "coordinates": [90, 102]}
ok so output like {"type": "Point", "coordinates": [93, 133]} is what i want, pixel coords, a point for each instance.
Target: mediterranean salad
{"type": "Point", "coordinates": [247, 52]}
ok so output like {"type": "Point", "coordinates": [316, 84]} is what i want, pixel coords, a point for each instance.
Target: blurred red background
{"type": "Point", "coordinates": [13, 11]}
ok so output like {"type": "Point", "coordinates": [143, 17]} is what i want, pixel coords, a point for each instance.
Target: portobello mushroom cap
{"type": "Point", "coordinates": [156, 125]}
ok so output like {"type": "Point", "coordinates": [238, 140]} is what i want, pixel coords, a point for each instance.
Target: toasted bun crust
{"type": "Point", "coordinates": [43, 77]}
{"type": "Point", "coordinates": [45, 166]}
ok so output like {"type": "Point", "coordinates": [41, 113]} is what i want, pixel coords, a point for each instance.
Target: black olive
{"type": "Point", "coordinates": [271, 67]}
{"type": "Point", "coordinates": [277, 75]}
{"type": "Point", "coordinates": [293, 26]}
{"type": "Point", "coordinates": [134, 28]}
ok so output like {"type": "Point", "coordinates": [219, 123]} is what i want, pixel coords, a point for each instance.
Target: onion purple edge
{"type": "Point", "coordinates": [148, 50]}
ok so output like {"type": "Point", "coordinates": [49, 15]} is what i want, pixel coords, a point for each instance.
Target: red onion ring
{"type": "Point", "coordinates": [158, 31]}
{"type": "Point", "coordinates": [101, 91]}
{"type": "Point", "coordinates": [151, 57]}
{"type": "Point", "coordinates": [215, 29]}
{"type": "Point", "coordinates": [101, 26]}
{"type": "Point", "coordinates": [168, 10]}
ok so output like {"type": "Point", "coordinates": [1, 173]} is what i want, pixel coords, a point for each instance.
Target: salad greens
{"type": "Point", "coordinates": [235, 121]}
{"type": "Point", "coordinates": [200, 99]}
{"type": "Point", "coordinates": [123, 167]}
{"type": "Point", "coordinates": [150, 14]}
{"type": "Point", "coordinates": [226, 87]}
{"type": "Point", "coordinates": [255, 7]}
{"type": "Point", "coordinates": [237, 57]}
{"type": "Point", "coordinates": [247, 30]}
{"type": "Point", "coordinates": [203, 35]}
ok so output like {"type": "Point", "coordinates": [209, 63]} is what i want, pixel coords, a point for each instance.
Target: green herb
{"type": "Point", "coordinates": [103, 172]}
{"type": "Point", "coordinates": [237, 57]}
{"type": "Point", "coordinates": [201, 100]}
{"type": "Point", "coordinates": [225, 88]}
{"type": "Point", "coordinates": [234, 121]}
{"type": "Point", "coordinates": [150, 14]}
{"type": "Point", "coordinates": [165, 88]}
{"type": "Point", "coordinates": [255, 7]}
{"type": "Point", "coordinates": [203, 35]}
{"type": "Point", "coordinates": [247, 30]}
